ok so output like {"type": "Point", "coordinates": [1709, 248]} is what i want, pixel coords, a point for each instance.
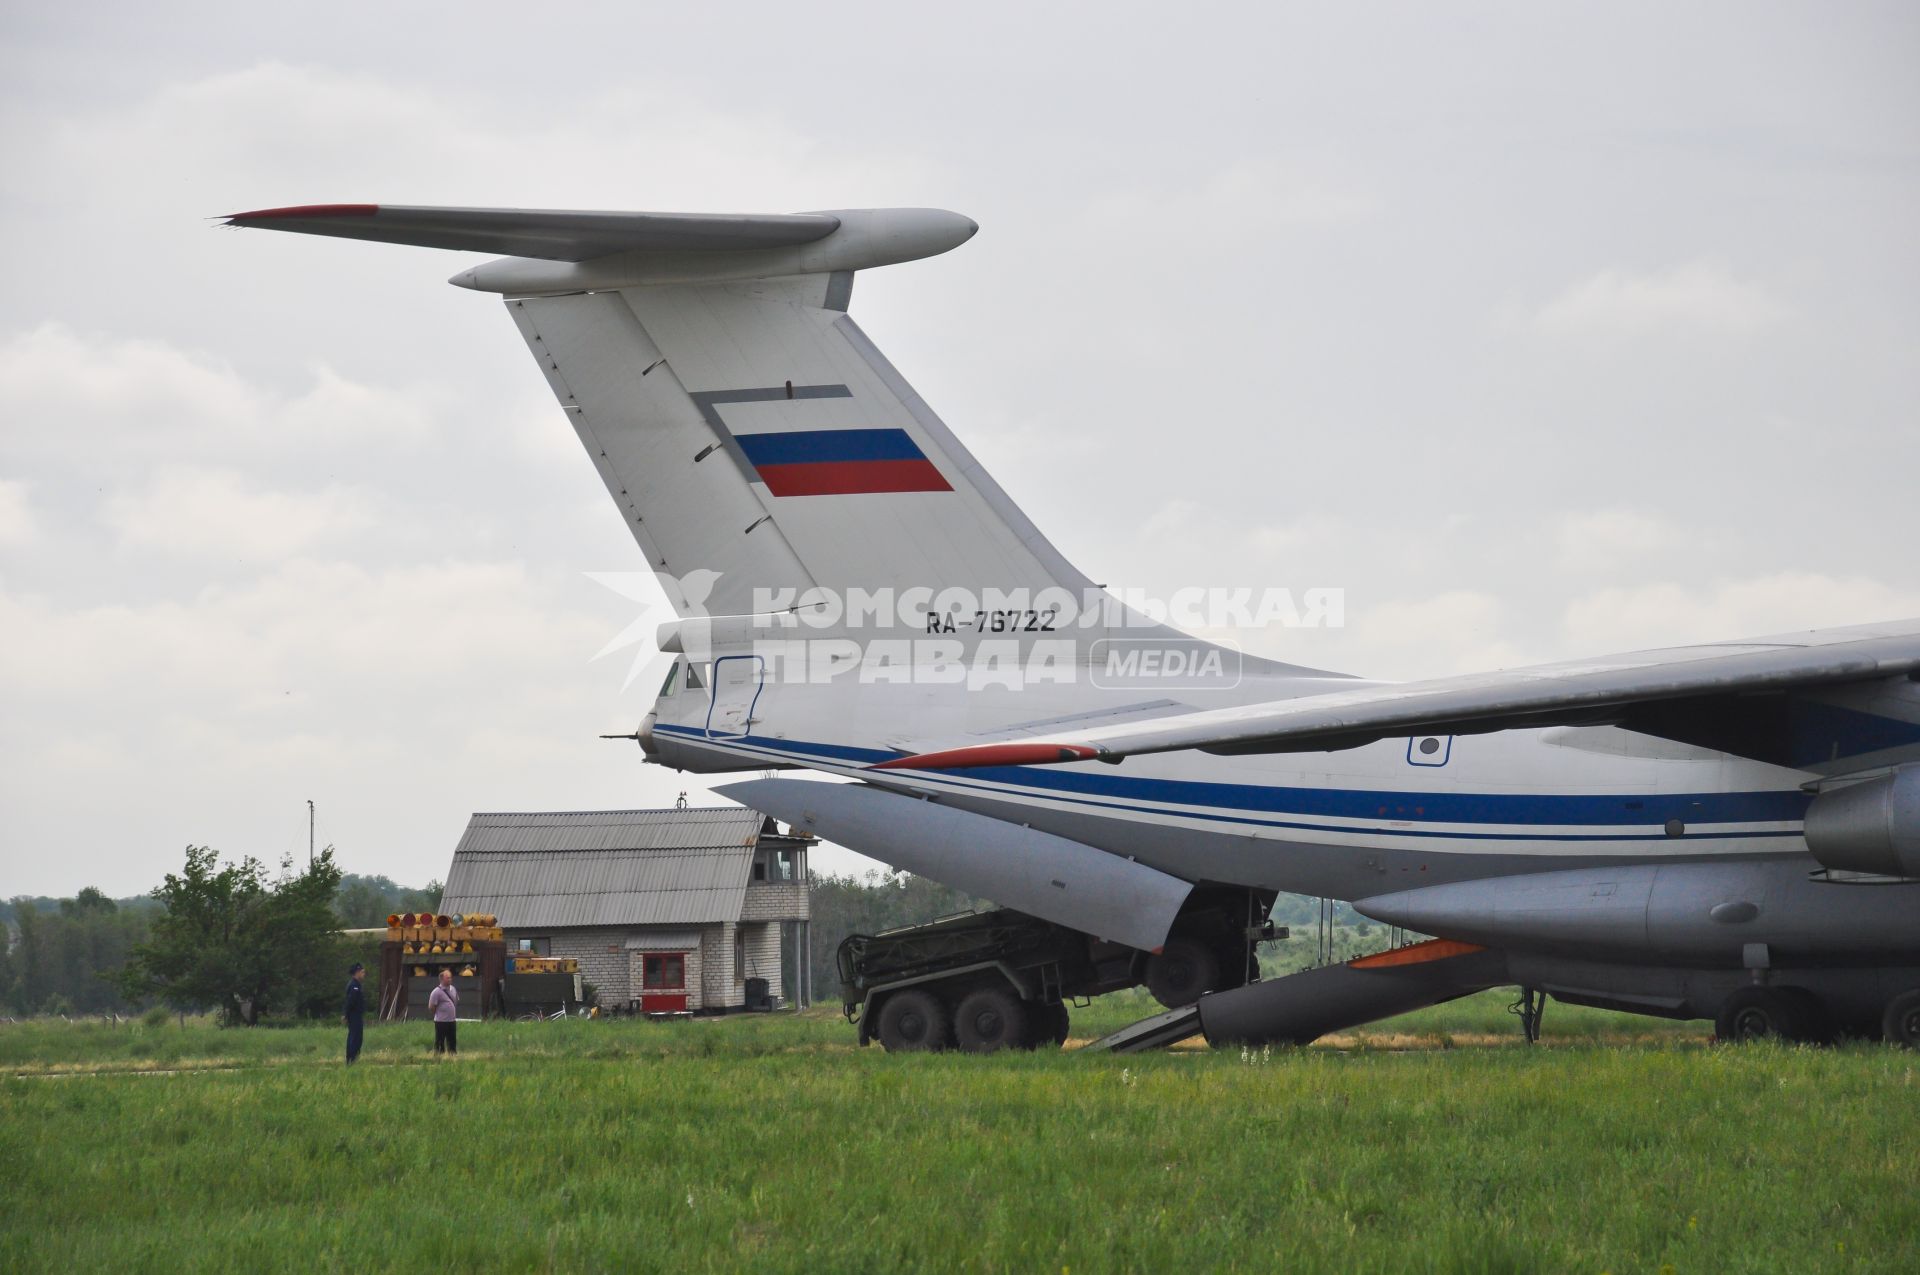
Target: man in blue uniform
{"type": "Point", "coordinates": [355, 1016]}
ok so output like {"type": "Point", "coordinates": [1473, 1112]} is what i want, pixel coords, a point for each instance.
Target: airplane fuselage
{"type": "Point", "coordinates": [1345, 824]}
{"type": "Point", "coordinates": [1651, 875]}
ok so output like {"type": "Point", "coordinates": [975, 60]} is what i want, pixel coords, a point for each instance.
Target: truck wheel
{"type": "Point", "coordinates": [990, 1019]}
{"type": "Point", "coordinates": [1182, 972]}
{"type": "Point", "coordinates": [1046, 1026]}
{"type": "Point", "coordinates": [1769, 1013]}
{"type": "Point", "coordinates": [1901, 1023]}
{"type": "Point", "coordinates": [912, 1021]}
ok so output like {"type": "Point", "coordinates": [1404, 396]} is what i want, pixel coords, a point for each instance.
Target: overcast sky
{"type": "Point", "coordinates": [1541, 330]}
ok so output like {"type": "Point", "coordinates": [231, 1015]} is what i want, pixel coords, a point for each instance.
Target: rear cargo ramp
{"type": "Point", "coordinates": [1298, 1009]}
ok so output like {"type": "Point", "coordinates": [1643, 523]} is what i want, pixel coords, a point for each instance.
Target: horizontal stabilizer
{"type": "Point", "coordinates": [1066, 882]}
{"type": "Point", "coordinates": [550, 234]}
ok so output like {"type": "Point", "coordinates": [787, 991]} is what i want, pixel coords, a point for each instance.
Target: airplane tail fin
{"type": "Point", "coordinates": [756, 442]}
{"type": "Point", "coordinates": [752, 429]}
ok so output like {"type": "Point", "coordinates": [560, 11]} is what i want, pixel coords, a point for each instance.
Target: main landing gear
{"type": "Point", "coordinates": [1900, 1025]}
{"type": "Point", "coordinates": [1766, 1012]}
{"type": "Point", "coordinates": [1530, 1009]}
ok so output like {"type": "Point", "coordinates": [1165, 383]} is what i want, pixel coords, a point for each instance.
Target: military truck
{"type": "Point", "coordinates": [1001, 979]}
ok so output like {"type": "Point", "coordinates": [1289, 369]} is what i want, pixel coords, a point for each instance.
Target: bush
{"type": "Point", "coordinates": [155, 1017]}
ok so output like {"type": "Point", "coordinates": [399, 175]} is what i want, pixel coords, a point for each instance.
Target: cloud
{"type": "Point", "coordinates": [1456, 631]}
{"type": "Point", "coordinates": [185, 510]}
{"type": "Point", "coordinates": [1667, 613]}
{"type": "Point", "coordinates": [1247, 197]}
{"type": "Point", "coordinates": [137, 399]}
{"type": "Point", "coordinates": [353, 633]}
{"type": "Point", "coordinates": [296, 133]}
{"type": "Point", "coordinates": [400, 696]}
{"type": "Point", "coordinates": [1698, 298]}
{"type": "Point", "coordinates": [56, 385]}
{"type": "Point", "coordinates": [1605, 540]}
{"type": "Point", "coordinates": [17, 526]}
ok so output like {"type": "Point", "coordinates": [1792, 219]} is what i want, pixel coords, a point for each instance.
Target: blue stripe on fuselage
{"type": "Point", "coordinates": [1514, 811]}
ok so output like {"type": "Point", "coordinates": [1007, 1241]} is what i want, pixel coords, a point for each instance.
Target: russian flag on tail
{"type": "Point", "coordinates": [840, 462]}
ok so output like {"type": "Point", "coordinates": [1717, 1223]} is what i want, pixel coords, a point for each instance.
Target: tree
{"type": "Point", "coordinates": [229, 938]}
{"type": "Point", "coordinates": [367, 902]}
{"type": "Point", "coordinates": [70, 952]}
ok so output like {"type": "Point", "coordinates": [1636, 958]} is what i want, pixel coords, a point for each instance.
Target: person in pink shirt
{"type": "Point", "coordinates": [443, 1002]}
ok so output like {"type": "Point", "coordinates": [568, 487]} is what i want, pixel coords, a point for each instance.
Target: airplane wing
{"type": "Point", "coordinates": [551, 234]}
{"type": "Point", "coordinates": [1720, 695]}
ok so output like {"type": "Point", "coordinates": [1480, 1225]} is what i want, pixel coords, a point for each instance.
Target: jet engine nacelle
{"type": "Point", "coordinates": [1705, 914]}
{"type": "Point", "coordinates": [1870, 826]}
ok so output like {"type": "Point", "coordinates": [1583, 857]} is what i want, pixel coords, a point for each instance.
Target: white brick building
{"type": "Point", "coordinates": [666, 910]}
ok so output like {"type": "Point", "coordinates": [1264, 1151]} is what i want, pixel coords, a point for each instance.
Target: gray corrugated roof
{"type": "Point", "coordinates": [605, 867]}
{"type": "Point", "coordinates": [664, 941]}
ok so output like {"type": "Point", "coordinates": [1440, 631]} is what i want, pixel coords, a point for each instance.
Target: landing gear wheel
{"type": "Point", "coordinates": [990, 1019]}
{"type": "Point", "coordinates": [1182, 972]}
{"type": "Point", "coordinates": [1901, 1023]}
{"type": "Point", "coordinates": [912, 1021]}
{"type": "Point", "coordinates": [1770, 1013]}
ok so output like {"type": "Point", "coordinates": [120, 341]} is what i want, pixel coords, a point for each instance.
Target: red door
{"type": "Point", "coordinates": [663, 983]}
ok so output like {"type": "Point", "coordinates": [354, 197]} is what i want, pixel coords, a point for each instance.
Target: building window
{"type": "Point", "coordinates": [534, 947]}
{"type": "Point", "coordinates": [776, 865]}
{"type": "Point", "coordinates": [663, 971]}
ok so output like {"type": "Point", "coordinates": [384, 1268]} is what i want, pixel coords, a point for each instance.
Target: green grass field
{"type": "Point", "coordinates": [773, 1143]}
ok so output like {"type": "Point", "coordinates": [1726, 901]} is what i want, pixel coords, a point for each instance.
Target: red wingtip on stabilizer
{"type": "Point", "coordinates": [306, 210]}
{"type": "Point", "coordinates": [1415, 954]}
{"type": "Point", "coordinates": [993, 755]}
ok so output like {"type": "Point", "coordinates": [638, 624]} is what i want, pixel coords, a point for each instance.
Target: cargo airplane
{"type": "Point", "coordinates": [1726, 831]}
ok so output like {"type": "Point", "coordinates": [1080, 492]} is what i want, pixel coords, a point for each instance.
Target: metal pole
{"type": "Point", "coordinates": [309, 833]}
